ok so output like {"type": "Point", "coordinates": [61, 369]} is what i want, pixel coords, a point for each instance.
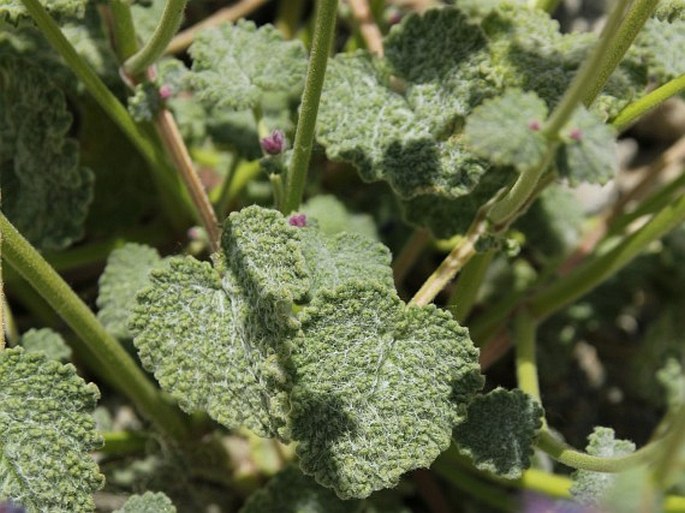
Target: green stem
{"type": "Point", "coordinates": [410, 252]}
{"type": "Point", "coordinates": [671, 454]}
{"type": "Point", "coordinates": [288, 17]}
{"type": "Point", "coordinates": [648, 102]}
{"type": "Point", "coordinates": [592, 75]}
{"type": "Point", "coordinates": [602, 266]}
{"type": "Point", "coordinates": [114, 364]}
{"type": "Point", "coordinates": [526, 362]}
{"type": "Point", "coordinates": [161, 37]}
{"type": "Point", "coordinates": [119, 443]}
{"type": "Point", "coordinates": [565, 454]}
{"type": "Point", "coordinates": [324, 30]}
{"type": "Point", "coordinates": [633, 22]}
{"type": "Point", "coordinates": [114, 109]}
{"type": "Point", "coordinates": [470, 279]}
{"type": "Point", "coordinates": [123, 29]}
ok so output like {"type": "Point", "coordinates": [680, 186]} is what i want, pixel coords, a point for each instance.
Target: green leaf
{"type": "Point", "coordinates": [290, 491]}
{"type": "Point", "coordinates": [45, 192]}
{"type": "Point", "coordinates": [499, 431]}
{"type": "Point", "coordinates": [280, 336]}
{"type": "Point", "coordinates": [379, 386]}
{"type": "Point", "coordinates": [13, 11]}
{"type": "Point", "coordinates": [661, 44]}
{"type": "Point", "coordinates": [670, 10]}
{"type": "Point", "coordinates": [507, 130]}
{"type": "Point", "coordinates": [149, 502]}
{"type": "Point", "coordinates": [591, 487]}
{"type": "Point", "coordinates": [235, 65]}
{"type": "Point", "coordinates": [46, 435]}
{"type": "Point", "coordinates": [590, 152]}
{"type": "Point", "coordinates": [672, 380]}
{"type": "Point", "coordinates": [331, 217]}
{"type": "Point", "coordinates": [47, 342]}
{"type": "Point", "coordinates": [146, 16]}
{"type": "Point", "coordinates": [127, 272]}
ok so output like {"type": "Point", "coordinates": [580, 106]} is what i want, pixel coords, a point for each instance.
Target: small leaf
{"type": "Point", "coordinates": [127, 272]}
{"type": "Point", "coordinates": [507, 130]}
{"type": "Point", "coordinates": [290, 491]}
{"type": "Point", "coordinates": [590, 152]}
{"type": "Point", "coordinates": [45, 192]}
{"type": "Point", "coordinates": [46, 435]}
{"type": "Point", "coordinates": [333, 217]}
{"type": "Point", "coordinates": [149, 502]}
{"type": "Point", "coordinates": [591, 487]}
{"type": "Point", "coordinates": [13, 11]}
{"type": "Point", "coordinates": [379, 386]}
{"type": "Point", "coordinates": [47, 342]}
{"type": "Point", "coordinates": [499, 431]}
{"type": "Point", "coordinates": [236, 65]}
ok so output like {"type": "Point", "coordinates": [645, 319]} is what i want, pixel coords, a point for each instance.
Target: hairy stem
{"type": "Point", "coordinates": [592, 75]}
{"type": "Point", "coordinates": [324, 29]}
{"type": "Point", "coordinates": [114, 364]}
{"type": "Point", "coordinates": [638, 108]}
{"type": "Point", "coordinates": [124, 32]}
{"type": "Point", "coordinates": [115, 110]}
{"type": "Point", "coordinates": [161, 37]}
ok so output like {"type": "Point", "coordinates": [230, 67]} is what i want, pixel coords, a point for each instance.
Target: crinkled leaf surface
{"type": "Point", "coordinates": [45, 192]}
{"type": "Point", "coordinates": [149, 502]}
{"type": "Point", "coordinates": [591, 487]}
{"type": "Point", "coordinates": [590, 152]}
{"type": "Point", "coordinates": [14, 11]}
{"type": "Point", "coordinates": [506, 130]}
{"type": "Point", "coordinates": [662, 44]}
{"type": "Point", "coordinates": [670, 10]}
{"type": "Point", "coordinates": [290, 491]}
{"type": "Point", "coordinates": [235, 65]}
{"type": "Point", "coordinates": [379, 386]}
{"type": "Point", "coordinates": [46, 434]}
{"type": "Point", "coordinates": [279, 335]}
{"type": "Point", "coordinates": [48, 342]}
{"type": "Point", "coordinates": [499, 431]}
{"type": "Point", "coordinates": [127, 272]}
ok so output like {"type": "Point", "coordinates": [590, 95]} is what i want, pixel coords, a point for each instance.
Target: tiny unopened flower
{"type": "Point", "coordinates": [11, 507]}
{"type": "Point", "coordinates": [393, 16]}
{"type": "Point", "coordinates": [165, 92]}
{"type": "Point", "coordinates": [273, 144]}
{"type": "Point", "coordinates": [299, 220]}
{"type": "Point", "coordinates": [534, 125]}
{"type": "Point", "coordinates": [576, 134]}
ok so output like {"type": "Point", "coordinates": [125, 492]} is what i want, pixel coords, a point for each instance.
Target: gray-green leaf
{"type": "Point", "coordinates": [48, 342]}
{"type": "Point", "coordinates": [149, 502]}
{"type": "Point", "coordinates": [46, 435]}
{"type": "Point", "coordinates": [499, 431]}
{"type": "Point", "coordinates": [14, 11]}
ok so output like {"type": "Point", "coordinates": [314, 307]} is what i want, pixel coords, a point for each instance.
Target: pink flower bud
{"type": "Point", "coordinates": [535, 125]}
{"type": "Point", "coordinates": [273, 144]}
{"type": "Point", "coordinates": [165, 92]}
{"type": "Point", "coordinates": [299, 220]}
{"type": "Point", "coordinates": [576, 134]}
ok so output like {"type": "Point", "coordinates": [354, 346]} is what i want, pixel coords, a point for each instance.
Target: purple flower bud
{"type": "Point", "coordinates": [576, 134]}
{"type": "Point", "coordinates": [273, 144]}
{"type": "Point", "coordinates": [393, 16]}
{"type": "Point", "coordinates": [165, 92]}
{"type": "Point", "coordinates": [535, 125]}
{"type": "Point", "coordinates": [299, 220]}
{"type": "Point", "coordinates": [11, 507]}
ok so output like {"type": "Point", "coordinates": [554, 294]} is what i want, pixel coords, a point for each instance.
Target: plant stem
{"type": "Point", "coordinates": [119, 443]}
{"type": "Point", "coordinates": [109, 103]}
{"type": "Point", "coordinates": [671, 455]}
{"type": "Point", "coordinates": [602, 266]}
{"type": "Point", "coordinates": [637, 16]}
{"type": "Point", "coordinates": [367, 26]}
{"type": "Point", "coordinates": [288, 17]}
{"type": "Point", "coordinates": [466, 290]}
{"type": "Point", "coordinates": [114, 364]}
{"type": "Point", "coordinates": [244, 173]}
{"type": "Point", "coordinates": [324, 30]}
{"type": "Point", "coordinates": [161, 37]}
{"type": "Point", "coordinates": [411, 250]}
{"type": "Point", "coordinates": [526, 361]}
{"type": "Point", "coordinates": [124, 31]}
{"type": "Point", "coordinates": [648, 102]}
{"type": "Point", "coordinates": [173, 141]}
{"type": "Point", "coordinates": [580, 460]}
{"type": "Point", "coordinates": [591, 76]}
{"type": "Point", "coordinates": [546, 5]}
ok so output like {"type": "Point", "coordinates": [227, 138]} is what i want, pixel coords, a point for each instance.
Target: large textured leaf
{"type": "Point", "coordinates": [45, 191]}
{"type": "Point", "coordinates": [661, 44]}
{"type": "Point", "coordinates": [280, 335]}
{"type": "Point", "coordinates": [46, 434]}
{"type": "Point", "coordinates": [124, 276]}
{"type": "Point", "coordinates": [149, 502]}
{"type": "Point", "coordinates": [47, 342]}
{"type": "Point", "coordinates": [591, 487]}
{"type": "Point", "coordinates": [379, 386]}
{"type": "Point", "coordinates": [14, 11]}
{"type": "Point", "coordinates": [499, 431]}
{"type": "Point", "coordinates": [290, 491]}
{"type": "Point", "coordinates": [235, 65]}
